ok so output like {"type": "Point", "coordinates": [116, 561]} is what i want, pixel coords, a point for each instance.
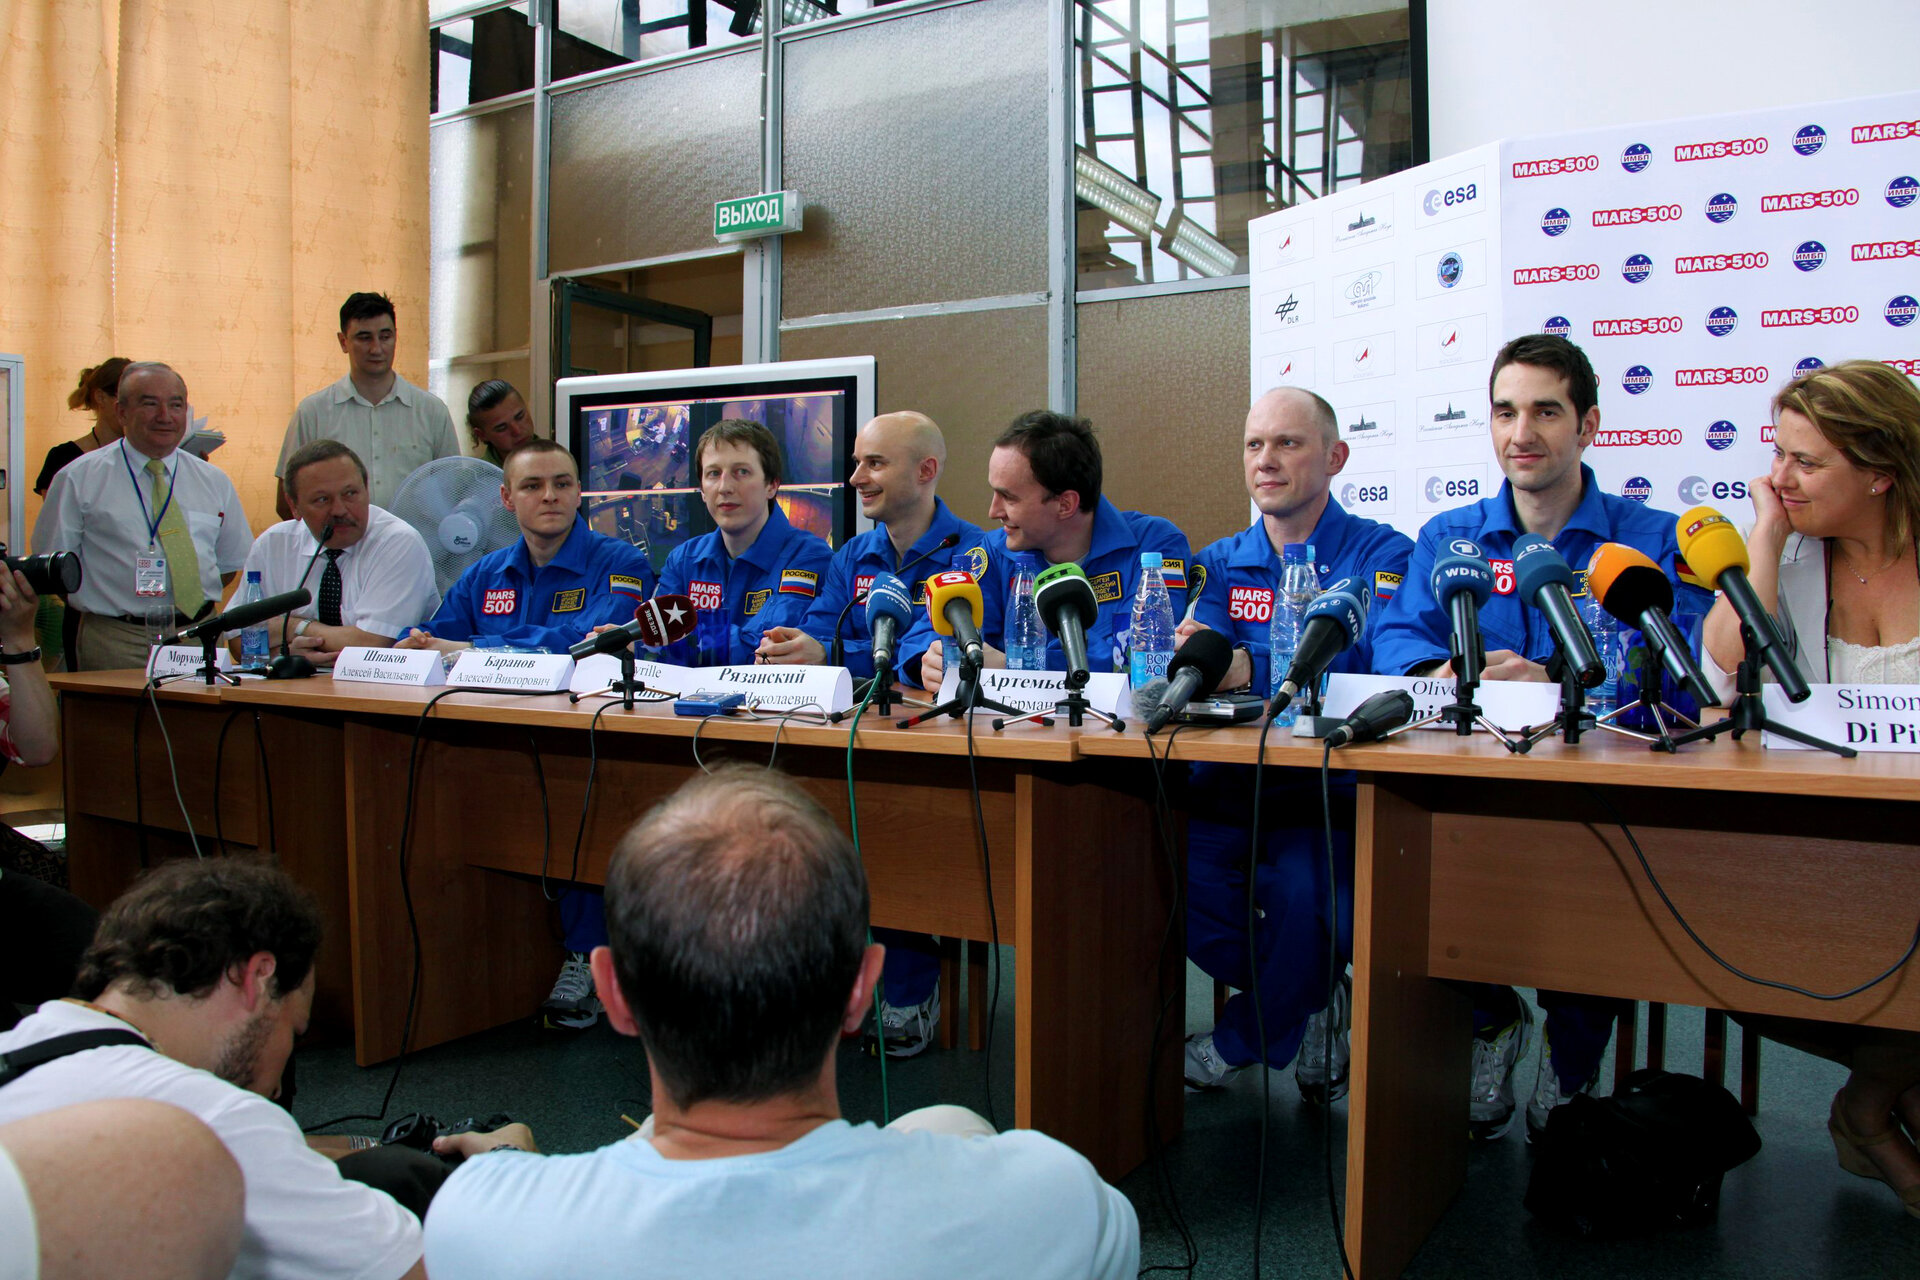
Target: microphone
{"type": "Point", "coordinates": [837, 650]}
{"type": "Point", "coordinates": [1195, 671]}
{"type": "Point", "coordinates": [1631, 587]}
{"type": "Point", "coordinates": [955, 607]}
{"type": "Point", "coordinates": [286, 641]}
{"type": "Point", "coordinates": [1384, 711]}
{"type": "Point", "coordinates": [240, 617]}
{"type": "Point", "coordinates": [1065, 601]}
{"type": "Point", "coordinates": [889, 612]}
{"type": "Point", "coordinates": [656, 623]}
{"type": "Point", "coordinates": [1463, 581]}
{"type": "Point", "coordinates": [1330, 626]}
{"type": "Point", "coordinates": [1540, 574]}
{"type": "Point", "coordinates": [1717, 554]}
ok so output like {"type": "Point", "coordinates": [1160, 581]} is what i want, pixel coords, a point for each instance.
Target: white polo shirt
{"type": "Point", "coordinates": [408, 429]}
{"type": "Point", "coordinates": [386, 578]}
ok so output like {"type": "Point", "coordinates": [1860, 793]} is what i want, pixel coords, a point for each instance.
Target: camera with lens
{"type": "Point", "coordinates": [57, 573]}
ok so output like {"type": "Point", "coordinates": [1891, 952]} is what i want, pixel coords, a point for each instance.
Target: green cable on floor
{"type": "Point", "coordinates": [853, 821]}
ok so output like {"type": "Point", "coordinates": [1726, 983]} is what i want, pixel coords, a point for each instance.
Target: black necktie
{"type": "Point", "coordinates": [330, 589]}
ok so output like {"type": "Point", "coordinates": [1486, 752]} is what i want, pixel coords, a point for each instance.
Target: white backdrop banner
{"type": "Point", "coordinates": [1701, 264]}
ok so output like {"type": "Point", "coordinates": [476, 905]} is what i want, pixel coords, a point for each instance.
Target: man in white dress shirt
{"type": "Point", "coordinates": [159, 531]}
{"type": "Point", "coordinates": [372, 578]}
{"type": "Point", "coordinates": [393, 425]}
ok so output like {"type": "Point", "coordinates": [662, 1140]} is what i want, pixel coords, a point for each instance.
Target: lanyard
{"type": "Point", "coordinates": [153, 524]}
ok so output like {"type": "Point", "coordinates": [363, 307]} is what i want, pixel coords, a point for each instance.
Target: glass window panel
{"type": "Point", "coordinates": [1141, 356]}
{"type": "Point", "coordinates": [480, 176]}
{"type": "Point", "coordinates": [1113, 111]}
{"type": "Point", "coordinates": [638, 163]}
{"type": "Point", "coordinates": [593, 34]}
{"type": "Point", "coordinates": [919, 146]}
{"type": "Point", "coordinates": [480, 59]}
{"type": "Point", "coordinates": [972, 372]}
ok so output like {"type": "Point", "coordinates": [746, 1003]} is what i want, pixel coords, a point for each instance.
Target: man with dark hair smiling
{"type": "Point", "coordinates": [738, 914]}
{"type": "Point", "coordinates": [202, 973]}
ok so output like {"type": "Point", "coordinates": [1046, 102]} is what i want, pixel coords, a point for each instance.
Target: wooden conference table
{"type": "Point", "coordinates": [1470, 864]}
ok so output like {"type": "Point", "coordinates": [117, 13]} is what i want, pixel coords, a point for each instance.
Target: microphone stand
{"type": "Point", "coordinates": [1573, 718]}
{"type": "Point", "coordinates": [1074, 707]}
{"type": "Point", "coordinates": [1749, 709]}
{"type": "Point", "coordinates": [626, 686]}
{"type": "Point", "coordinates": [1311, 722]}
{"type": "Point", "coordinates": [209, 666]}
{"type": "Point", "coordinates": [966, 697]}
{"type": "Point", "coordinates": [1463, 714]}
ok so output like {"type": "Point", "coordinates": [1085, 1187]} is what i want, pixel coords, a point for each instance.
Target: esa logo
{"type": "Point", "coordinates": [1354, 495]}
{"type": "Point", "coordinates": [1449, 269]}
{"type": "Point", "coordinates": [1694, 490]}
{"type": "Point", "coordinates": [1638, 489]}
{"type": "Point", "coordinates": [1722, 207]}
{"type": "Point", "coordinates": [1810, 139]}
{"type": "Point", "coordinates": [1452, 198]}
{"type": "Point", "coordinates": [1722, 321]}
{"type": "Point", "coordinates": [1636, 157]}
{"type": "Point", "coordinates": [1636, 268]}
{"type": "Point", "coordinates": [1440, 488]}
{"type": "Point", "coordinates": [1557, 327]}
{"type": "Point", "coordinates": [1721, 435]}
{"type": "Point", "coordinates": [1808, 365]}
{"type": "Point", "coordinates": [1636, 379]}
{"type": "Point", "coordinates": [1901, 310]}
{"type": "Point", "coordinates": [1810, 255]}
{"type": "Point", "coordinates": [1902, 191]}
{"type": "Point", "coordinates": [1556, 221]}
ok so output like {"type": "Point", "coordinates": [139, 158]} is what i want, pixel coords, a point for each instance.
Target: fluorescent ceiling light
{"type": "Point", "coordinates": [1194, 245]}
{"type": "Point", "coordinates": [1114, 194]}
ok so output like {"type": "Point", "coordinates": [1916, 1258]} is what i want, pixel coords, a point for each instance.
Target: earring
{"type": "Point", "coordinates": [1874, 490]}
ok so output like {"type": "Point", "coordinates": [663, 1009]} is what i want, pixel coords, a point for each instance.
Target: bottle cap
{"type": "Point", "coordinates": [1297, 553]}
{"type": "Point", "coordinates": [1151, 560]}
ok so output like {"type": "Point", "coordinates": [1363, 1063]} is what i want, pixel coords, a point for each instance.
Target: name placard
{"type": "Point", "coordinates": [518, 672]}
{"type": "Point", "coordinates": [1866, 717]}
{"type": "Point", "coordinates": [781, 688]}
{"type": "Point", "coordinates": [184, 660]}
{"type": "Point", "coordinates": [1043, 690]}
{"type": "Point", "coordinates": [368, 665]}
{"type": "Point", "coordinates": [1511, 704]}
{"type": "Point", "coordinates": [598, 673]}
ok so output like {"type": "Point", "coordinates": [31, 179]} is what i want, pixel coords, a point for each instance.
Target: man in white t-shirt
{"type": "Point", "coordinates": [737, 918]}
{"type": "Point", "coordinates": [203, 972]}
{"type": "Point", "coordinates": [370, 581]}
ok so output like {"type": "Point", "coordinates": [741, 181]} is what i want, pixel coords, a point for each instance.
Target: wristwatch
{"type": "Point", "coordinates": [301, 628]}
{"type": "Point", "coordinates": [18, 659]}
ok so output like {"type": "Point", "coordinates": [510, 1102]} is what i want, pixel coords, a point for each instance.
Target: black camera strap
{"type": "Point", "coordinates": [20, 1061]}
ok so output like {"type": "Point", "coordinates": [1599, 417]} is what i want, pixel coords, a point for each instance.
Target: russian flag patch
{"type": "Point", "coordinates": [799, 582]}
{"type": "Point", "coordinates": [1174, 574]}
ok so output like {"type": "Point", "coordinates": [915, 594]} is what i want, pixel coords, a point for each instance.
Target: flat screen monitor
{"type": "Point", "coordinates": [635, 436]}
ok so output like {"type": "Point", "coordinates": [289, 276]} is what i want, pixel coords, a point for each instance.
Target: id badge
{"type": "Point", "coordinates": [150, 576]}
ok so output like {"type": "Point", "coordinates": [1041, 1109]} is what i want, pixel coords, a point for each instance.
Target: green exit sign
{"type": "Point", "coordinates": [752, 216]}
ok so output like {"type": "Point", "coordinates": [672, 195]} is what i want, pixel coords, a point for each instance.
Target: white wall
{"type": "Point", "coordinates": [1510, 68]}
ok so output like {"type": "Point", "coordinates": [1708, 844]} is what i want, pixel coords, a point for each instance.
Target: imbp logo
{"type": "Point", "coordinates": [1636, 157]}
{"type": "Point", "coordinates": [1722, 207]}
{"type": "Point", "coordinates": [1902, 192]}
{"type": "Point", "coordinates": [1555, 221]}
{"type": "Point", "coordinates": [1557, 327]}
{"type": "Point", "coordinates": [1810, 139]}
{"type": "Point", "coordinates": [1637, 379]}
{"type": "Point", "coordinates": [1636, 268]}
{"type": "Point", "coordinates": [1721, 435]}
{"type": "Point", "coordinates": [1638, 489]}
{"type": "Point", "coordinates": [1810, 255]}
{"type": "Point", "coordinates": [1722, 321]}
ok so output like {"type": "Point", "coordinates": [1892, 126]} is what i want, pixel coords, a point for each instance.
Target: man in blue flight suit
{"type": "Point", "coordinates": [755, 571]}
{"type": "Point", "coordinates": [898, 458]}
{"type": "Point", "coordinates": [547, 591]}
{"type": "Point", "coordinates": [1545, 412]}
{"type": "Point", "coordinates": [1045, 471]}
{"type": "Point", "coordinates": [1291, 452]}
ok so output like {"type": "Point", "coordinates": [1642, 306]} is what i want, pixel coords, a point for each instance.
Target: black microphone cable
{"type": "Point", "coordinates": [1156, 1142]}
{"type": "Point", "coordinates": [853, 824]}
{"type": "Point", "coordinates": [266, 780]}
{"type": "Point", "coordinates": [1253, 994]}
{"type": "Point", "coordinates": [993, 916]}
{"type": "Point", "coordinates": [1334, 968]}
{"type": "Point", "coordinates": [546, 816]}
{"type": "Point", "coordinates": [173, 768]}
{"type": "Point", "coordinates": [219, 754]}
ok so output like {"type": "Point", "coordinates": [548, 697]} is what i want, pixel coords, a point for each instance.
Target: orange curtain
{"type": "Point", "coordinates": [203, 182]}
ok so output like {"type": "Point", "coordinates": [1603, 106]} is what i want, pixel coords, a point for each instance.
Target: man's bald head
{"type": "Point", "coordinates": [1282, 404]}
{"type": "Point", "coordinates": [898, 458]}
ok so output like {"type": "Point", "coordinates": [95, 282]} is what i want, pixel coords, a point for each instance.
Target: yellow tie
{"type": "Point", "coordinates": [183, 562]}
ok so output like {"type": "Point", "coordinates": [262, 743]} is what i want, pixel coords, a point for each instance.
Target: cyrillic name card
{"type": "Point", "coordinates": [368, 665]}
{"type": "Point", "coordinates": [1866, 717]}
{"type": "Point", "coordinates": [770, 688]}
{"type": "Point", "coordinates": [1511, 704]}
{"type": "Point", "coordinates": [512, 672]}
{"type": "Point", "coordinates": [184, 660]}
{"type": "Point", "coordinates": [1044, 690]}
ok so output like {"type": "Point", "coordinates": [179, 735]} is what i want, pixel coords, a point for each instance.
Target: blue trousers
{"type": "Point", "coordinates": [1290, 890]}
{"type": "Point", "coordinates": [583, 919]}
{"type": "Point", "coordinates": [913, 967]}
{"type": "Point", "coordinates": [1578, 1026]}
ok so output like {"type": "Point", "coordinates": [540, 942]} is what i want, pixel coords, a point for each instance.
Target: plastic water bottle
{"type": "Point", "coordinates": [1026, 637]}
{"type": "Point", "coordinates": [254, 648]}
{"type": "Point", "coordinates": [1605, 696]}
{"type": "Point", "coordinates": [1150, 637]}
{"type": "Point", "coordinates": [1299, 584]}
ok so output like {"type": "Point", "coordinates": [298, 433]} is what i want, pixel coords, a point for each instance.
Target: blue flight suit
{"type": "Point", "coordinates": [913, 959]}
{"type": "Point", "coordinates": [771, 584]}
{"type": "Point", "coordinates": [592, 579]}
{"type": "Point", "coordinates": [1237, 579]}
{"type": "Point", "coordinates": [870, 553]}
{"type": "Point", "coordinates": [1112, 563]}
{"type": "Point", "coordinates": [1415, 631]}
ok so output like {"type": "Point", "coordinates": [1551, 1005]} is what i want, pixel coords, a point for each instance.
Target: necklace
{"type": "Point", "coordinates": [1882, 569]}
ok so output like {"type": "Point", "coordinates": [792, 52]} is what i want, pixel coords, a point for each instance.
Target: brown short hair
{"type": "Point", "coordinates": [540, 444]}
{"type": "Point", "coordinates": [1870, 412]}
{"type": "Point", "coordinates": [1063, 452]}
{"type": "Point", "coordinates": [741, 431]}
{"type": "Point", "coordinates": [319, 451]}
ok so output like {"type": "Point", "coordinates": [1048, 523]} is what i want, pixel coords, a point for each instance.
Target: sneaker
{"type": "Point", "coordinates": [1205, 1068]}
{"type": "Point", "coordinates": [1547, 1093]}
{"type": "Point", "coordinates": [1319, 1084]}
{"type": "Point", "coordinates": [1490, 1106]}
{"type": "Point", "coordinates": [909, 1029]}
{"type": "Point", "coordinates": [571, 1005]}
